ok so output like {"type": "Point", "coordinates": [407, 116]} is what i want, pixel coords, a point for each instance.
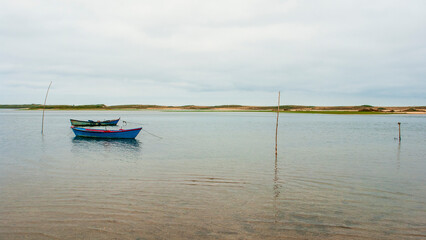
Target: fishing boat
{"type": "Point", "coordinates": [113, 122]}
{"type": "Point", "coordinates": [101, 133]}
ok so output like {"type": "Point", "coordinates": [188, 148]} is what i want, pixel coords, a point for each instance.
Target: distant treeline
{"type": "Point", "coordinates": [59, 107]}
{"type": "Point", "coordinates": [18, 106]}
{"type": "Point", "coordinates": [287, 108]}
{"type": "Point", "coordinates": [136, 106]}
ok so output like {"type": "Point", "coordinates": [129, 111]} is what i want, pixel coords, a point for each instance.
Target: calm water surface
{"type": "Point", "coordinates": [214, 176]}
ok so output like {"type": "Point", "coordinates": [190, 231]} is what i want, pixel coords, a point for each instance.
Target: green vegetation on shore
{"type": "Point", "coordinates": [363, 109]}
{"type": "Point", "coordinates": [20, 106]}
{"type": "Point", "coordinates": [340, 112]}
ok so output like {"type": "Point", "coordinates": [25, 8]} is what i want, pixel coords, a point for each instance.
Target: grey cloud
{"type": "Point", "coordinates": [317, 51]}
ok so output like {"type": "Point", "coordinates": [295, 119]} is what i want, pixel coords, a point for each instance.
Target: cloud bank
{"type": "Point", "coordinates": [213, 52]}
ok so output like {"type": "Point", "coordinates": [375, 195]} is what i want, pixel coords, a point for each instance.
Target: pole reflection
{"type": "Point", "coordinates": [398, 156]}
{"type": "Point", "coordinates": [276, 190]}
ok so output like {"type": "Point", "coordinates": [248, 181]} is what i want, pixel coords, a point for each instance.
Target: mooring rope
{"type": "Point", "coordinates": [125, 122]}
{"type": "Point", "coordinates": [151, 134]}
{"type": "Point", "coordinates": [133, 123]}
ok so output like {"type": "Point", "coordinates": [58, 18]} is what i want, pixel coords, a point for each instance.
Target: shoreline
{"type": "Point", "coordinates": [362, 109]}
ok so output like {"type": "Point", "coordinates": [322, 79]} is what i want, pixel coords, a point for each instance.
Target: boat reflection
{"type": "Point", "coordinates": [105, 143]}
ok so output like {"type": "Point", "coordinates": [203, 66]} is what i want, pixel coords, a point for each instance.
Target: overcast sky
{"type": "Point", "coordinates": [180, 52]}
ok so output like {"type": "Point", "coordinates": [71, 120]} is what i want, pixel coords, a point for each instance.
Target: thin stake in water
{"type": "Point", "coordinates": [44, 107]}
{"type": "Point", "coordinates": [276, 129]}
{"type": "Point", "coordinates": [399, 127]}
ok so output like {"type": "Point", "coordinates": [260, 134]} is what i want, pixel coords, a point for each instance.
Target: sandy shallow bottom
{"type": "Point", "coordinates": [214, 176]}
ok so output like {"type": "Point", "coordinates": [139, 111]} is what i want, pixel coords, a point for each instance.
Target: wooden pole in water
{"type": "Point", "coordinates": [44, 107]}
{"type": "Point", "coordinates": [399, 127]}
{"type": "Point", "coordinates": [276, 128]}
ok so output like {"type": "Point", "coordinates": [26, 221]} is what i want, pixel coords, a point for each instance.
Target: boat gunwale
{"type": "Point", "coordinates": [104, 131]}
{"type": "Point", "coordinates": [91, 121]}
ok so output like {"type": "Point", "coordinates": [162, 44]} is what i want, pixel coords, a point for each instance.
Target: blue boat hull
{"type": "Point", "coordinates": [97, 133]}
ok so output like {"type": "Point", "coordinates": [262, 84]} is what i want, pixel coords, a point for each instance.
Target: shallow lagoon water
{"type": "Point", "coordinates": [213, 176]}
